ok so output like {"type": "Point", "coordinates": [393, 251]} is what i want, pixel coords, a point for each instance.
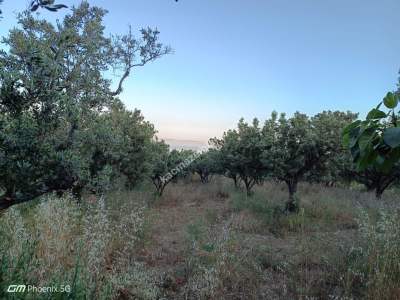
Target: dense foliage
{"type": "Point", "coordinates": [61, 124]}
{"type": "Point", "coordinates": [376, 140]}
{"type": "Point", "coordinates": [242, 154]}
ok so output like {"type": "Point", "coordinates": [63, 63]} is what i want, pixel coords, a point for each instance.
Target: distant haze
{"type": "Point", "coordinates": [186, 144]}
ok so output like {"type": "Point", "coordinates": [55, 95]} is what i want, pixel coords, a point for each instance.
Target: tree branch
{"type": "Point", "coordinates": [130, 67]}
{"type": "Point", "coordinates": [127, 48]}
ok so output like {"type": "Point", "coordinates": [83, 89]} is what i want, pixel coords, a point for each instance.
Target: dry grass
{"type": "Point", "coordinates": [209, 241]}
{"type": "Point", "coordinates": [296, 256]}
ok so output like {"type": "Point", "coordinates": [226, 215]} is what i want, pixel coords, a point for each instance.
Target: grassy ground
{"type": "Point", "coordinates": [207, 241]}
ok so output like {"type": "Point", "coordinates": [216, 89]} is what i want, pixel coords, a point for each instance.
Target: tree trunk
{"type": "Point", "coordinates": [77, 190]}
{"type": "Point", "coordinates": [378, 193]}
{"type": "Point", "coordinates": [160, 189]}
{"type": "Point", "coordinates": [248, 190]}
{"type": "Point", "coordinates": [204, 178]}
{"type": "Point", "coordinates": [292, 206]}
{"type": "Point", "coordinates": [160, 185]}
{"type": "Point", "coordinates": [382, 186]}
{"type": "Point", "coordinates": [249, 185]}
{"type": "Point", "coordinates": [235, 180]}
{"type": "Point", "coordinates": [330, 184]}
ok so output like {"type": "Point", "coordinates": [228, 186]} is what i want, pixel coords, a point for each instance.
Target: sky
{"type": "Point", "coordinates": [246, 58]}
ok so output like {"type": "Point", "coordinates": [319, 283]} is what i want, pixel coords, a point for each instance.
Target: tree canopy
{"type": "Point", "coordinates": [54, 91]}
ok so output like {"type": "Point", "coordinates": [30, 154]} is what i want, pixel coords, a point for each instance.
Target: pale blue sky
{"type": "Point", "coordinates": [245, 58]}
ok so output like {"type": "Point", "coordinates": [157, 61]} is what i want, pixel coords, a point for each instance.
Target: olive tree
{"type": "Point", "coordinates": [118, 141]}
{"type": "Point", "coordinates": [295, 151]}
{"type": "Point", "coordinates": [226, 162]}
{"type": "Point", "coordinates": [161, 164]}
{"type": "Point", "coordinates": [242, 154]}
{"type": "Point", "coordinates": [206, 165]}
{"type": "Point", "coordinates": [52, 87]}
{"type": "Point", "coordinates": [333, 168]}
{"type": "Point", "coordinates": [168, 166]}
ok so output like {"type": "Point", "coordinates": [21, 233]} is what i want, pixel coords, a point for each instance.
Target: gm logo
{"type": "Point", "coordinates": [14, 288]}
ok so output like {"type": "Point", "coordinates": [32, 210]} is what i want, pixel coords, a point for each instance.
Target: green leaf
{"type": "Point", "coordinates": [367, 159]}
{"type": "Point", "coordinates": [390, 161]}
{"type": "Point", "coordinates": [391, 137]}
{"type": "Point", "coordinates": [376, 114]}
{"type": "Point", "coordinates": [380, 160]}
{"type": "Point", "coordinates": [353, 136]}
{"type": "Point", "coordinates": [349, 127]}
{"type": "Point", "coordinates": [364, 140]}
{"type": "Point", "coordinates": [346, 140]}
{"type": "Point", "coordinates": [355, 153]}
{"type": "Point", "coordinates": [390, 100]}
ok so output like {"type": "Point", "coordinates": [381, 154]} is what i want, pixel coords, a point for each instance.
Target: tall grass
{"type": "Point", "coordinates": [347, 244]}
{"type": "Point", "coordinates": [374, 262]}
{"type": "Point", "coordinates": [217, 266]}
{"type": "Point", "coordinates": [60, 242]}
